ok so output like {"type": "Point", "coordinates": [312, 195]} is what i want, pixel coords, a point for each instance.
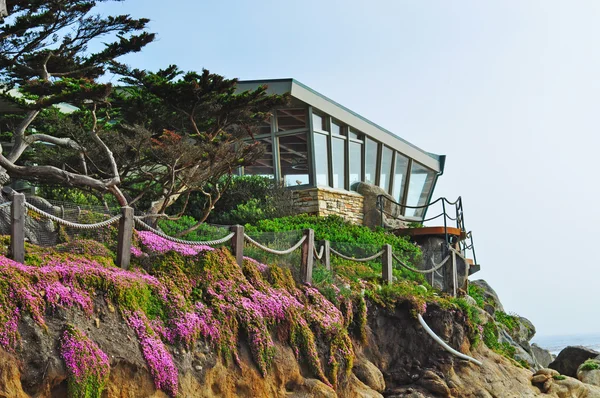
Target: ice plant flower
{"type": "Point", "coordinates": [86, 363]}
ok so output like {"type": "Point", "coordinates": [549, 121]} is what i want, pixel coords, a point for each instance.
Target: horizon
{"type": "Point", "coordinates": [507, 90]}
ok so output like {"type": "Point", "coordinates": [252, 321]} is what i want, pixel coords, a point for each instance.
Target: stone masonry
{"type": "Point", "coordinates": [327, 201]}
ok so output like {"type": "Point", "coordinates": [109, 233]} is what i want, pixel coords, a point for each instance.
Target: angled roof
{"type": "Point", "coordinates": [317, 100]}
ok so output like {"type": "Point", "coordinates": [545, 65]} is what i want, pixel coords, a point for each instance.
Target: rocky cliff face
{"type": "Point", "coordinates": [398, 360]}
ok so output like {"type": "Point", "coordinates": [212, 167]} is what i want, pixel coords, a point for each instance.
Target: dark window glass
{"type": "Point", "coordinates": [291, 119]}
{"type": "Point", "coordinates": [264, 165]}
{"type": "Point", "coordinates": [293, 157]}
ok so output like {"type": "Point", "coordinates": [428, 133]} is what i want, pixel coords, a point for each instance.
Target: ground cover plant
{"type": "Point", "coordinates": [176, 294]}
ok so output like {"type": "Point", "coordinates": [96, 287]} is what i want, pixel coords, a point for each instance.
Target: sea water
{"type": "Point", "coordinates": [555, 344]}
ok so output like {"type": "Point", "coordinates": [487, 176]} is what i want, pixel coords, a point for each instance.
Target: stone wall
{"type": "Point", "coordinates": [327, 201]}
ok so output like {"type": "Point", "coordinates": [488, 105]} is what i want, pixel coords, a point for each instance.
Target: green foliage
{"type": "Point", "coordinates": [478, 294]}
{"type": "Point", "coordinates": [249, 199]}
{"type": "Point", "coordinates": [75, 196]}
{"type": "Point", "coordinates": [590, 364]}
{"type": "Point", "coordinates": [344, 236]}
{"type": "Point", "coordinates": [202, 233]}
{"type": "Point", "coordinates": [559, 377]}
{"type": "Point", "coordinates": [510, 321]}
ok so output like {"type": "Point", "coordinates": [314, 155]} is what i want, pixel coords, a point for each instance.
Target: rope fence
{"type": "Point", "coordinates": [215, 242]}
{"type": "Point", "coordinates": [267, 242]}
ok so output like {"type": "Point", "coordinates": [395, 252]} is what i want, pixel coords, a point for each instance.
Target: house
{"type": "Point", "coordinates": [321, 150]}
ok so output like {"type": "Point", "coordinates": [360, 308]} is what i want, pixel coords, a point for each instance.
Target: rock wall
{"type": "Point", "coordinates": [327, 201]}
{"type": "Point", "coordinates": [398, 360]}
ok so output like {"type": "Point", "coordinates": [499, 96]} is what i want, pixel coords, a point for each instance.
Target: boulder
{"type": "Point", "coordinates": [569, 359]}
{"type": "Point", "coordinates": [542, 356]}
{"type": "Point", "coordinates": [590, 374]}
{"type": "Point", "coordinates": [372, 216]}
{"type": "Point", "coordinates": [369, 374]}
{"type": "Point", "coordinates": [490, 296]}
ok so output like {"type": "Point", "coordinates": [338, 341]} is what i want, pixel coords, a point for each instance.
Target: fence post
{"type": "Point", "coordinates": [308, 247]}
{"type": "Point", "coordinates": [17, 230]}
{"type": "Point", "coordinates": [124, 237]}
{"type": "Point", "coordinates": [237, 243]}
{"type": "Point", "coordinates": [326, 255]}
{"type": "Point", "coordinates": [387, 264]}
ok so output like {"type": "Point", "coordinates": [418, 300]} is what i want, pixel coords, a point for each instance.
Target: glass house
{"type": "Point", "coordinates": [316, 142]}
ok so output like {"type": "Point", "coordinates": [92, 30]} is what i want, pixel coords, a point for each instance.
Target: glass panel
{"type": "Point", "coordinates": [318, 122]}
{"type": "Point", "coordinates": [370, 161]}
{"type": "Point", "coordinates": [355, 163]}
{"type": "Point", "coordinates": [421, 181]}
{"type": "Point", "coordinates": [290, 119]}
{"type": "Point", "coordinates": [354, 134]}
{"type": "Point", "coordinates": [293, 156]}
{"type": "Point", "coordinates": [336, 129]}
{"type": "Point", "coordinates": [264, 165]}
{"type": "Point", "coordinates": [338, 161]}
{"type": "Point", "coordinates": [321, 160]}
{"type": "Point", "coordinates": [264, 127]}
{"type": "Point", "coordinates": [399, 174]}
{"type": "Point", "coordinates": [386, 168]}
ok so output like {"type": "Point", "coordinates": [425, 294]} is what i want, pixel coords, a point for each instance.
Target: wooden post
{"type": "Point", "coordinates": [308, 247]}
{"type": "Point", "coordinates": [326, 255]}
{"type": "Point", "coordinates": [387, 264]}
{"type": "Point", "coordinates": [237, 243]}
{"type": "Point", "coordinates": [17, 230]}
{"type": "Point", "coordinates": [124, 237]}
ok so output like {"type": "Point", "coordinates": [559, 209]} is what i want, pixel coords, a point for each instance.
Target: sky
{"type": "Point", "coordinates": [509, 90]}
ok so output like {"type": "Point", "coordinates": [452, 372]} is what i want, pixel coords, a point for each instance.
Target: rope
{"type": "Point", "coordinates": [5, 204]}
{"type": "Point", "coordinates": [182, 241]}
{"type": "Point", "coordinates": [443, 343]}
{"type": "Point", "coordinates": [360, 260]}
{"type": "Point", "coordinates": [319, 254]}
{"type": "Point", "coordinates": [435, 268]}
{"type": "Point", "coordinates": [273, 251]}
{"type": "Point", "coordinates": [73, 224]}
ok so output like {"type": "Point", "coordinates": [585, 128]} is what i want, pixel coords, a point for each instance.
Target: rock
{"type": "Point", "coordinates": [434, 383]}
{"type": "Point", "coordinates": [590, 375]}
{"type": "Point", "coordinates": [369, 374]}
{"type": "Point", "coordinates": [541, 355]}
{"type": "Point", "coordinates": [372, 216]}
{"type": "Point", "coordinates": [490, 296]}
{"type": "Point", "coordinates": [470, 300]}
{"type": "Point", "coordinates": [569, 359]}
{"type": "Point", "coordinates": [97, 322]}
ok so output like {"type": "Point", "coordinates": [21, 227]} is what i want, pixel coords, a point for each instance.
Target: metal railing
{"type": "Point", "coordinates": [452, 213]}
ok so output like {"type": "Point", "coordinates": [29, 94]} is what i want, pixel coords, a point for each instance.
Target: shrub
{"type": "Point", "coordinates": [510, 321]}
{"type": "Point", "coordinates": [202, 233]}
{"type": "Point", "coordinates": [590, 364]}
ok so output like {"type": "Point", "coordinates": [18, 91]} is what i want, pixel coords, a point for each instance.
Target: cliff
{"type": "Point", "coordinates": [194, 324]}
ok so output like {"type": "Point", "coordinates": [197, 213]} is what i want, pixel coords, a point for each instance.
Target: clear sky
{"type": "Point", "coordinates": [509, 90]}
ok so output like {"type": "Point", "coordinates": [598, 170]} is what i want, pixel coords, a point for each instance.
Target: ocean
{"type": "Point", "coordinates": [555, 344]}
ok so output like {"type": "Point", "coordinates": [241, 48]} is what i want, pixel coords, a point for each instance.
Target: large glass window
{"type": "Point", "coordinates": [354, 162]}
{"type": "Point", "coordinates": [338, 161]}
{"type": "Point", "coordinates": [399, 176]}
{"type": "Point", "coordinates": [321, 159]}
{"type": "Point", "coordinates": [291, 119]}
{"type": "Point", "coordinates": [421, 181]}
{"type": "Point", "coordinates": [386, 168]}
{"type": "Point", "coordinates": [293, 157]}
{"type": "Point", "coordinates": [264, 165]}
{"type": "Point", "coordinates": [370, 160]}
